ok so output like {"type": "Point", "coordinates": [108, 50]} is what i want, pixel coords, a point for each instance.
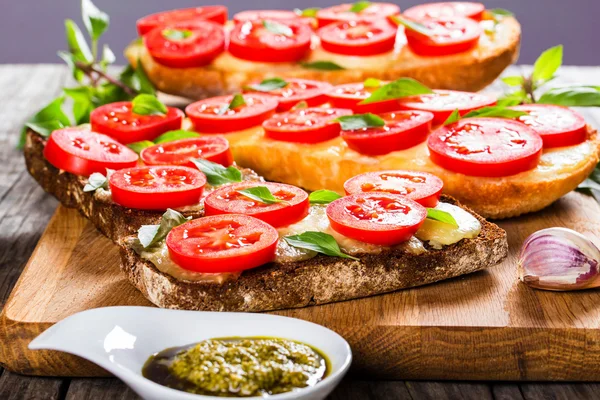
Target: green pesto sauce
{"type": "Point", "coordinates": [238, 367]}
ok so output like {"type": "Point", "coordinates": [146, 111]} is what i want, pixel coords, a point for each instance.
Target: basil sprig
{"type": "Point", "coordinates": [591, 186]}
{"type": "Point", "coordinates": [307, 12]}
{"type": "Point", "coordinates": [412, 25]}
{"type": "Point", "coordinates": [147, 104]}
{"type": "Point", "coordinates": [452, 118]}
{"type": "Point", "coordinates": [88, 64]}
{"type": "Point", "coordinates": [573, 96]}
{"type": "Point", "coordinates": [141, 145]}
{"type": "Point", "coordinates": [372, 82]}
{"type": "Point", "coordinates": [236, 101]}
{"type": "Point", "coordinates": [400, 88]}
{"type": "Point", "coordinates": [359, 6]}
{"type": "Point", "coordinates": [169, 136]}
{"type": "Point", "coordinates": [176, 34]}
{"type": "Point", "coordinates": [97, 181]}
{"type": "Point", "coordinates": [322, 65]}
{"type": "Point", "coordinates": [262, 194]}
{"type": "Point", "coordinates": [323, 197]}
{"type": "Point", "coordinates": [360, 121]}
{"type": "Point", "coordinates": [441, 216]}
{"type": "Point", "coordinates": [216, 174]}
{"type": "Point", "coordinates": [486, 112]}
{"type": "Point", "coordinates": [278, 28]}
{"type": "Point", "coordinates": [317, 241]}
{"type": "Point", "coordinates": [149, 235]}
{"type": "Point", "coordinates": [269, 84]}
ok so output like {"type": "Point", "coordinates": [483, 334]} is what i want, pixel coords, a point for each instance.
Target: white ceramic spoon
{"type": "Point", "coordinates": [120, 340]}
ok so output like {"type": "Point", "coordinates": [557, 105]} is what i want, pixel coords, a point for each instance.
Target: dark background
{"type": "Point", "coordinates": [31, 31]}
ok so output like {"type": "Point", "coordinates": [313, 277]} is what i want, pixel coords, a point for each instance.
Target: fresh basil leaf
{"type": "Point", "coordinates": [147, 104]}
{"type": "Point", "coordinates": [149, 235]}
{"type": "Point", "coordinates": [513, 80]}
{"type": "Point", "coordinates": [547, 64]}
{"type": "Point", "coordinates": [95, 21]}
{"type": "Point", "coordinates": [300, 105]}
{"type": "Point", "coordinates": [139, 146]}
{"type": "Point", "coordinates": [307, 12]}
{"type": "Point", "coordinates": [261, 194]}
{"type": "Point", "coordinates": [452, 118]}
{"type": "Point", "coordinates": [70, 60]}
{"type": "Point", "coordinates": [512, 99]}
{"type": "Point", "coordinates": [403, 87]}
{"type": "Point", "coordinates": [44, 119]}
{"type": "Point", "coordinates": [137, 79]}
{"type": "Point", "coordinates": [82, 103]}
{"type": "Point", "coordinates": [322, 66]}
{"type": "Point", "coordinates": [45, 128]}
{"type": "Point", "coordinates": [76, 42]}
{"type": "Point", "coordinates": [95, 182]}
{"type": "Point", "coordinates": [269, 84]}
{"type": "Point", "coordinates": [236, 101]}
{"type": "Point", "coordinates": [591, 186]}
{"type": "Point", "coordinates": [359, 6]}
{"type": "Point", "coordinates": [441, 216]}
{"type": "Point", "coordinates": [176, 34]}
{"type": "Point", "coordinates": [494, 112]}
{"type": "Point", "coordinates": [574, 96]}
{"type": "Point", "coordinates": [278, 28]}
{"type": "Point", "coordinates": [319, 242]}
{"type": "Point", "coordinates": [216, 174]}
{"type": "Point", "coordinates": [359, 121]}
{"type": "Point", "coordinates": [108, 57]}
{"type": "Point", "coordinates": [500, 12]}
{"type": "Point", "coordinates": [323, 197]}
{"type": "Point", "coordinates": [412, 25]}
{"type": "Point", "coordinates": [372, 82]}
{"type": "Point", "coordinates": [175, 135]}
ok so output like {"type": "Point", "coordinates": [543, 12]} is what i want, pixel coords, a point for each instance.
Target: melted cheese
{"type": "Point", "coordinates": [439, 234]}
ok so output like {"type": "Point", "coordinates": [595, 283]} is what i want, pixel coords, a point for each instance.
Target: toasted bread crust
{"type": "Point", "coordinates": [470, 71]}
{"type": "Point", "coordinates": [109, 218]}
{"type": "Point", "coordinates": [319, 280]}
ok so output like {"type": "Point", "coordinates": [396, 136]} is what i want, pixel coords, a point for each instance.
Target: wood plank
{"type": "Point", "coordinates": [555, 391]}
{"type": "Point", "coordinates": [14, 387]}
{"type": "Point", "coordinates": [351, 389]}
{"type": "Point", "coordinates": [99, 389]}
{"type": "Point", "coordinates": [506, 391]}
{"type": "Point", "coordinates": [448, 391]}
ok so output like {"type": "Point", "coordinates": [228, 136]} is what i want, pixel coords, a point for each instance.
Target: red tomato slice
{"type": "Point", "coordinates": [179, 152]}
{"type": "Point", "coordinates": [259, 15]}
{"type": "Point", "coordinates": [297, 90]}
{"type": "Point", "coordinates": [351, 94]}
{"type": "Point", "coordinates": [252, 41]}
{"type": "Point", "coordinates": [157, 188]}
{"type": "Point", "coordinates": [207, 115]}
{"type": "Point", "coordinates": [306, 125]}
{"type": "Point", "coordinates": [342, 12]}
{"type": "Point", "coordinates": [485, 147]}
{"type": "Point", "coordinates": [402, 130]}
{"type": "Point", "coordinates": [444, 10]}
{"type": "Point", "coordinates": [120, 122]}
{"type": "Point", "coordinates": [558, 126]}
{"type": "Point", "coordinates": [421, 187]}
{"type": "Point", "coordinates": [185, 44]}
{"type": "Point", "coordinates": [380, 218]}
{"type": "Point", "coordinates": [227, 200]}
{"type": "Point", "coordinates": [451, 35]}
{"type": "Point", "coordinates": [212, 13]}
{"type": "Point", "coordinates": [443, 102]}
{"type": "Point", "coordinates": [358, 38]}
{"type": "Point", "coordinates": [82, 152]}
{"type": "Point", "coordinates": [222, 243]}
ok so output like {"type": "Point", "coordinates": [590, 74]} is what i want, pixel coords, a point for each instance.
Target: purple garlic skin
{"type": "Point", "coordinates": [559, 259]}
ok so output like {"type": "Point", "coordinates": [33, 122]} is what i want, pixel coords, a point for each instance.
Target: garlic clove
{"type": "Point", "coordinates": [559, 259]}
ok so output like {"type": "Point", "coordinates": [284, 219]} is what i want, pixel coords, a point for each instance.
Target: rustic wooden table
{"type": "Point", "coordinates": [25, 210]}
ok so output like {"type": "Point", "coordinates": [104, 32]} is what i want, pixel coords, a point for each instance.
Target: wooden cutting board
{"type": "Point", "coordinates": [483, 326]}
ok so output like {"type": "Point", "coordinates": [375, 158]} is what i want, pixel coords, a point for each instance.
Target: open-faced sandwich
{"type": "Point", "coordinates": [196, 53]}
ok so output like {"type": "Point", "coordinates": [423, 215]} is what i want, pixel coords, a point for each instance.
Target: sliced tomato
{"type": "Point", "coordinates": [179, 152]}
{"type": "Point", "coordinates": [292, 206]}
{"type": "Point", "coordinates": [349, 95]}
{"type": "Point", "coordinates": [212, 13]}
{"type": "Point", "coordinates": [358, 38]}
{"type": "Point", "coordinates": [451, 35]}
{"type": "Point", "coordinates": [558, 126]}
{"type": "Point", "coordinates": [485, 147]}
{"type": "Point", "coordinates": [305, 125]}
{"type": "Point", "coordinates": [157, 187]}
{"type": "Point", "coordinates": [185, 44]}
{"type": "Point", "coordinates": [82, 152]}
{"type": "Point", "coordinates": [380, 218]}
{"type": "Point", "coordinates": [212, 115]}
{"type": "Point", "coordinates": [446, 9]}
{"type": "Point", "coordinates": [402, 130]}
{"type": "Point", "coordinates": [297, 90]}
{"type": "Point", "coordinates": [117, 120]}
{"type": "Point", "coordinates": [222, 243]}
{"type": "Point", "coordinates": [251, 40]}
{"type": "Point", "coordinates": [421, 187]}
{"type": "Point", "coordinates": [343, 13]}
{"type": "Point", "coordinates": [443, 102]}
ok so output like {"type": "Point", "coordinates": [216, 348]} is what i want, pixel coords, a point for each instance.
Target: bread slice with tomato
{"type": "Point", "coordinates": [185, 54]}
